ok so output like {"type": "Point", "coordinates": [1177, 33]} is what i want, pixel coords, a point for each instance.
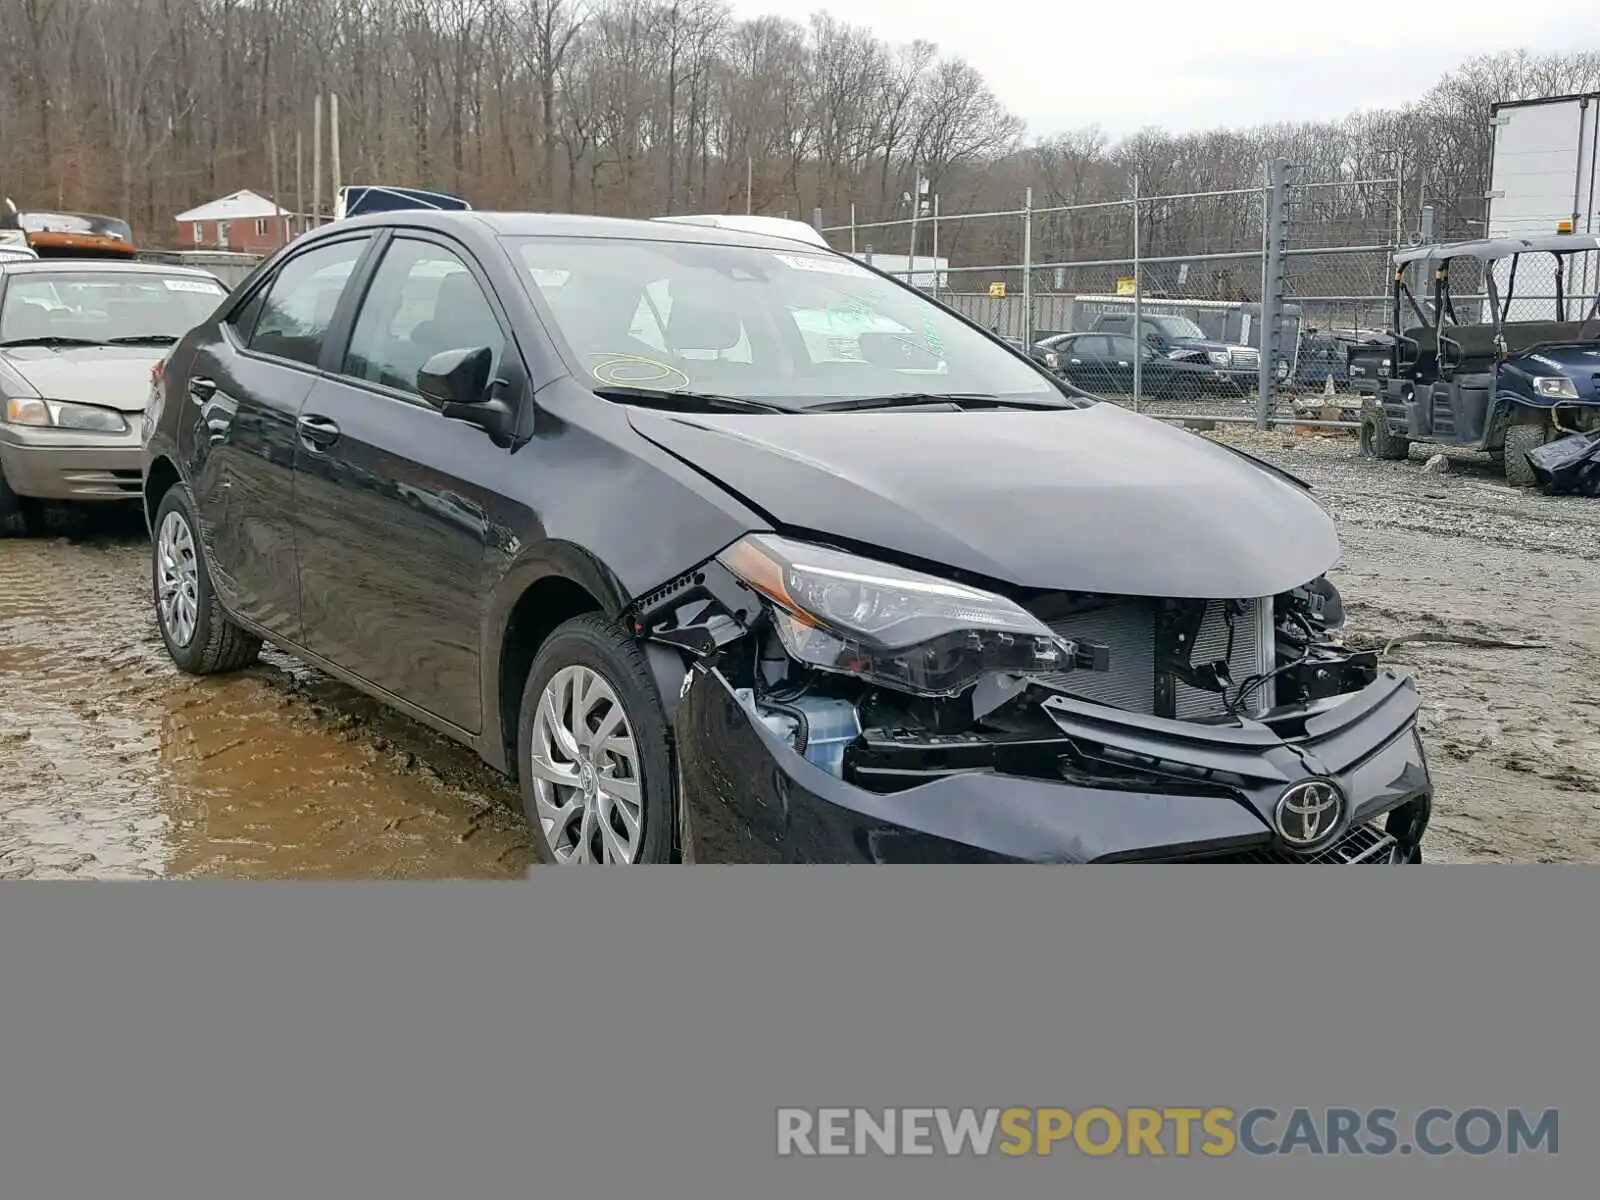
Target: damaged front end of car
{"type": "Point", "coordinates": [834, 707]}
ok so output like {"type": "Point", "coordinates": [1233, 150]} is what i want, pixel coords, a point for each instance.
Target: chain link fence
{"type": "Point", "coordinates": [1075, 281]}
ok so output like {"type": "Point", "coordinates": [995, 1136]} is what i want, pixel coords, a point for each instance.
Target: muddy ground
{"type": "Point", "coordinates": [114, 765]}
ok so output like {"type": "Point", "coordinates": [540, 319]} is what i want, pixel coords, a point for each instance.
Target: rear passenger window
{"type": "Point", "coordinates": [422, 301]}
{"type": "Point", "coordinates": [300, 302]}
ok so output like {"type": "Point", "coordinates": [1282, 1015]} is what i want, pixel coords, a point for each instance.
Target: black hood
{"type": "Point", "coordinates": [1095, 499]}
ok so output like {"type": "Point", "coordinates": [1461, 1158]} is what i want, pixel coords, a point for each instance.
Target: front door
{"type": "Point", "coordinates": [246, 386]}
{"type": "Point", "coordinates": [393, 502]}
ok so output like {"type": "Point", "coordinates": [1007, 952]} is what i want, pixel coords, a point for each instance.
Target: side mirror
{"type": "Point", "coordinates": [456, 376]}
{"type": "Point", "coordinates": [458, 382]}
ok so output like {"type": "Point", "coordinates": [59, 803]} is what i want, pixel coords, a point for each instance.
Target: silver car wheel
{"type": "Point", "coordinates": [178, 579]}
{"type": "Point", "coordinates": [584, 764]}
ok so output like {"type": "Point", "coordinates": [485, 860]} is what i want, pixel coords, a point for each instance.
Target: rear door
{"type": "Point", "coordinates": [246, 385]}
{"type": "Point", "coordinates": [394, 500]}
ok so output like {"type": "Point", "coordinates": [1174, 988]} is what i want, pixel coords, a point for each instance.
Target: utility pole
{"type": "Point", "coordinates": [316, 161]}
{"type": "Point", "coordinates": [337, 179]}
{"type": "Point", "coordinates": [300, 177]}
{"type": "Point", "coordinates": [277, 192]}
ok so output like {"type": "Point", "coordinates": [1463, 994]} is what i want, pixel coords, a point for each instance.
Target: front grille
{"type": "Point", "coordinates": [1243, 359]}
{"type": "Point", "coordinates": [1363, 844]}
{"type": "Point", "coordinates": [1128, 628]}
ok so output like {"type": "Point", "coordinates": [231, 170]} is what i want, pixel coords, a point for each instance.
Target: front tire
{"type": "Point", "coordinates": [201, 638]}
{"type": "Point", "coordinates": [1376, 440]}
{"type": "Point", "coordinates": [593, 758]}
{"type": "Point", "coordinates": [1520, 439]}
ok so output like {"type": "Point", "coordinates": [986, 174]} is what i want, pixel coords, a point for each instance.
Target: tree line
{"type": "Point", "coordinates": [142, 108]}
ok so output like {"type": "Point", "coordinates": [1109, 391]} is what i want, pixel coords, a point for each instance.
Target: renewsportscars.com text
{"type": "Point", "coordinates": [1214, 1132]}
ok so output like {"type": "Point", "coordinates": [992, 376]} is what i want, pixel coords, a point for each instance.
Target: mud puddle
{"type": "Point", "coordinates": [114, 765]}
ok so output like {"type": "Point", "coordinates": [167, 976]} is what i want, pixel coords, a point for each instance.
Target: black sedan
{"type": "Point", "coordinates": [730, 548]}
{"type": "Point", "coordinates": [1102, 363]}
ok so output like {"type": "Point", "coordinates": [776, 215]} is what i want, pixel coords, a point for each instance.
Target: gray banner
{"type": "Point", "coordinates": [586, 1035]}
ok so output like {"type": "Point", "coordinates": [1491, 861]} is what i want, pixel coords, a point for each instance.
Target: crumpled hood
{"type": "Point", "coordinates": [112, 376]}
{"type": "Point", "coordinates": [1095, 499]}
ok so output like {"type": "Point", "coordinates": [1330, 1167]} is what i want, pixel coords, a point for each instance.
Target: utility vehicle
{"type": "Point", "coordinates": [1481, 365]}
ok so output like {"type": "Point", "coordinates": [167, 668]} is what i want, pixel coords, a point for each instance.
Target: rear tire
{"type": "Point", "coordinates": [19, 515]}
{"type": "Point", "coordinates": [201, 638]}
{"type": "Point", "coordinates": [1376, 440]}
{"type": "Point", "coordinates": [1521, 438]}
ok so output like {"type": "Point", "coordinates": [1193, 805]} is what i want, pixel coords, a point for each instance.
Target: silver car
{"type": "Point", "coordinates": [79, 339]}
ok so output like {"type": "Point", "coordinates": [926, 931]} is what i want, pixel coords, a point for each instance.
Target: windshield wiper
{"type": "Point", "coordinates": [143, 339]}
{"type": "Point", "coordinates": [51, 340]}
{"type": "Point", "coordinates": [687, 401]}
{"type": "Point", "coordinates": [920, 399]}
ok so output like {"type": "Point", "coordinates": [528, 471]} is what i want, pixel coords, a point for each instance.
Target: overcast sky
{"type": "Point", "coordinates": [1204, 64]}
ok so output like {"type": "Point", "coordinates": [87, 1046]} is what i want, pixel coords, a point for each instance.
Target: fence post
{"type": "Point", "coordinates": [1027, 270]}
{"type": "Point", "coordinates": [852, 228]}
{"type": "Point", "coordinates": [1274, 282]}
{"type": "Point", "coordinates": [816, 219]}
{"type": "Point", "coordinates": [936, 246]}
{"type": "Point", "coordinates": [1138, 306]}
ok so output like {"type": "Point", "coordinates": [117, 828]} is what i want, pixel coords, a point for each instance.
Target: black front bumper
{"type": "Point", "coordinates": [746, 796]}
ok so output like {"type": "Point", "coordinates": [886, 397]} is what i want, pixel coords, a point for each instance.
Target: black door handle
{"type": "Point", "coordinates": [318, 431]}
{"type": "Point", "coordinates": [201, 390]}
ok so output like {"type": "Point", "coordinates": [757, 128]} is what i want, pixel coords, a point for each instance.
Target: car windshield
{"type": "Point", "coordinates": [790, 327]}
{"type": "Point", "coordinates": [1178, 327]}
{"type": "Point", "coordinates": [105, 306]}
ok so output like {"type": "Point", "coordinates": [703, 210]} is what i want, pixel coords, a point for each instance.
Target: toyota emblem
{"type": "Point", "coordinates": [1309, 813]}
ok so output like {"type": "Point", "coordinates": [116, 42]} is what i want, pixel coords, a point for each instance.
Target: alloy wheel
{"type": "Point", "coordinates": [588, 794]}
{"type": "Point", "coordinates": [177, 579]}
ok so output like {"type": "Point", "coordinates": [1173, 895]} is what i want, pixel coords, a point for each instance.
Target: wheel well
{"type": "Point", "coordinates": [537, 613]}
{"type": "Point", "coordinates": [161, 476]}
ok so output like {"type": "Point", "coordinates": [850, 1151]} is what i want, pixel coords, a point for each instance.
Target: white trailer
{"type": "Point", "coordinates": [1544, 166]}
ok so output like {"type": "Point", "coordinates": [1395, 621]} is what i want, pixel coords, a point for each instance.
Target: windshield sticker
{"type": "Point", "coordinates": [823, 266]}
{"type": "Point", "coordinates": [199, 286]}
{"type": "Point", "coordinates": [930, 337]}
{"type": "Point", "coordinates": [629, 370]}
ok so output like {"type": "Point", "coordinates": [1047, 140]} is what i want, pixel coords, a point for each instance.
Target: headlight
{"type": "Point", "coordinates": [1218, 358]}
{"type": "Point", "coordinates": [53, 413]}
{"type": "Point", "coordinates": [904, 630]}
{"type": "Point", "coordinates": [1557, 386]}
{"type": "Point", "coordinates": [1052, 359]}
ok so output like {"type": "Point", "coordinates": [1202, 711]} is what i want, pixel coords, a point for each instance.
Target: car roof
{"type": "Point", "coordinates": [573, 225]}
{"type": "Point", "coordinates": [107, 266]}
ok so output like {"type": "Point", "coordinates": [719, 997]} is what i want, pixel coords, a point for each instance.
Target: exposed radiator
{"type": "Point", "coordinates": [1128, 629]}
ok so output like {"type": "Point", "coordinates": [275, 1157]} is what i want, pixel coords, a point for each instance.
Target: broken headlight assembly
{"type": "Point", "coordinates": [896, 628]}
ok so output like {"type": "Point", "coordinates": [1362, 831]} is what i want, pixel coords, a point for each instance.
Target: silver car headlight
{"type": "Point", "coordinates": [47, 414]}
{"type": "Point", "coordinates": [1557, 387]}
{"type": "Point", "coordinates": [1052, 359]}
{"type": "Point", "coordinates": [1219, 358]}
{"type": "Point", "coordinates": [898, 628]}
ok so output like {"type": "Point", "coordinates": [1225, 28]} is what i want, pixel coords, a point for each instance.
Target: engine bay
{"type": "Point", "coordinates": [1185, 664]}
